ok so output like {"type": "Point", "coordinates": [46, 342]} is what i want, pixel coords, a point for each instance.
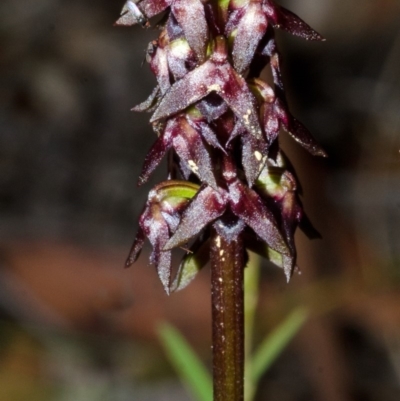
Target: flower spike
{"type": "Point", "coordinates": [229, 188]}
{"type": "Point", "coordinates": [220, 125]}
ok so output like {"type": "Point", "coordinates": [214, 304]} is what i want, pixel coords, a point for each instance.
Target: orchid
{"type": "Point", "coordinates": [219, 124]}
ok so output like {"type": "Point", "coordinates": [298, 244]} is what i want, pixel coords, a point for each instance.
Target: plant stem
{"type": "Point", "coordinates": [227, 265]}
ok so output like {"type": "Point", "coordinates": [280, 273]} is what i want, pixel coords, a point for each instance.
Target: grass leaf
{"type": "Point", "coordinates": [275, 342]}
{"type": "Point", "coordinates": [189, 367]}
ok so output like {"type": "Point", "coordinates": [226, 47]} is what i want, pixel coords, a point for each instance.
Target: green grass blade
{"type": "Point", "coordinates": [188, 366]}
{"type": "Point", "coordinates": [275, 342]}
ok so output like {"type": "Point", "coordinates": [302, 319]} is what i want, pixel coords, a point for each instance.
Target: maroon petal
{"type": "Point", "coordinates": [136, 248]}
{"type": "Point", "coordinates": [156, 229]}
{"type": "Point", "coordinates": [290, 22]}
{"type": "Point", "coordinates": [291, 215]}
{"type": "Point", "coordinates": [190, 148]}
{"type": "Point", "coordinates": [234, 90]}
{"type": "Point", "coordinates": [250, 30]}
{"type": "Point", "coordinates": [287, 263]}
{"type": "Point", "coordinates": [303, 136]}
{"type": "Point", "coordinates": [161, 258]}
{"type": "Point", "coordinates": [223, 80]}
{"type": "Point", "coordinates": [207, 206]}
{"type": "Point", "coordinates": [191, 17]}
{"type": "Point", "coordinates": [154, 157]}
{"type": "Point", "coordinates": [150, 102]}
{"type": "Point", "coordinates": [270, 121]}
{"type": "Point", "coordinates": [193, 87]}
{"type": "Point", "coordinates": [253, 157]}
{"type": "Point", "coordinates": [210, 137]}
{"type": "Point", "coordinates": [159, 65]}
{"type": "Point", "coordinates": [248, 206]}
{"type": "Point", "coordinates": [308, 229]}
{"type": "Point", "coordinates": [154, 7]}
{"type": "Point", "coordinates": [276, 71]}
{"type": "Point", "coordinates": [238, 129]}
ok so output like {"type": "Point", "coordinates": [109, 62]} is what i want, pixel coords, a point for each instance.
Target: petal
{"type": "Point", "coordinates": [287, 263]}
{"type": "Point", "coordinates": [234, 90]}
{"type": "Point", "coordinates": [193, 87]}
{"type": "Point", "coordinates": [159, 66]}
{"type": "Point", "coordinates": [131, 15]}
{"type": "Point", "coordinates": [191, 17]}
{"type": "Point", "coordinates": [174, 30]}
{"type": "Point", "coordinates": [222, 79]}
{"type": "Point", "coordinates": [290, 22]}
{"type": "Point", "coordinates": [154, 157]}
{"type": "Point", "coordinates": [308, 229]}
{"type": "Point", "coordinates": [154, 7]}
{"type": "Point", "coordinates": [136, 248]}
{"type": "Point", "coordinates": [238, 129]}
{"type": "Point", "coordinates": [162, 259]}
{"type": "Point", "coordinates": [150, 102]}
{"type": "Point", "coordinates": [250, 30]}
{"type": "Point", "coordinates": [276, 72]}
{"type": "Point", "coordinates": [247, 205]}
{"type": "Point", "coordinates": [190, 148]}
{"type": "Point", "coordinates": [191, 265]}
{"type": "Point", "coordinates": [253, 157]}
{"type": "Point", "coordinates": [291, 215]}
{"type": "Point", "coordinates": [210, 137]}
{"type": "Point", "coordinates": [157, 231]}
{"type": "Point", "coordinates": [164, 269]}
{"type": "Point", "coordinates": [270, 121]}
{"type": "Point", "coordinates": [207, 206]}
{"type": "Point", "coordinates": [303, 136]}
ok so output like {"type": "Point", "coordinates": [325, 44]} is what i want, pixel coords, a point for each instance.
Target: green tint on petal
{"type": "Point", "coordinates": [168, 190]}
{"type": "Point", "coordinates": [191, 264]}
{"type": "Point", "coordinates": [180, 47]}
{"type": "Point", "coordinates": [272, 181]}
{"type": "Point", "coordinates": [262, 249]}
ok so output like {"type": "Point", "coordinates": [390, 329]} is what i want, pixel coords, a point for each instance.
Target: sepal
{"type": "Point", "coordinates": [131, 15]}
{"type": "Point", "coordinates": [188, 144]}
{"type": "Point", "coordinates": [206, 207]}
{"type": "Point", "coordinates": [288, 21]}
{"type": "Point", "coordinates": [159, 220]}
{"type": "Point", "coordinates": [215, 75]}
{"type": "Point", "coordinates": [250, 29]}
{"type": "Point", "coordinates": [287, 263]}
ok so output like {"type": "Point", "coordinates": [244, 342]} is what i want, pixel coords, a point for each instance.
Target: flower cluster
{"type": "Point", "coordinates": [220, 124]}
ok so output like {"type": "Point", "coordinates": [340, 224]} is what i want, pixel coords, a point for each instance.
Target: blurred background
{"type": "Point", "coordinates": [74, 324]}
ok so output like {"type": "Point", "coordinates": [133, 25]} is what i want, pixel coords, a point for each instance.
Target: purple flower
{"type": "Point", "coordinates": [220, 123]}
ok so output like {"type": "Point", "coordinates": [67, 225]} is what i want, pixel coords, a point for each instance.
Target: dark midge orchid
{"type": "Point", "coordinates": [201, 80]}
{"type": "Point", "coordinates": [221, 124]}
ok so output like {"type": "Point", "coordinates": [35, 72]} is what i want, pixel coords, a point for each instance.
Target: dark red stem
{"type": "Point", "coordinates": [227, 264]}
